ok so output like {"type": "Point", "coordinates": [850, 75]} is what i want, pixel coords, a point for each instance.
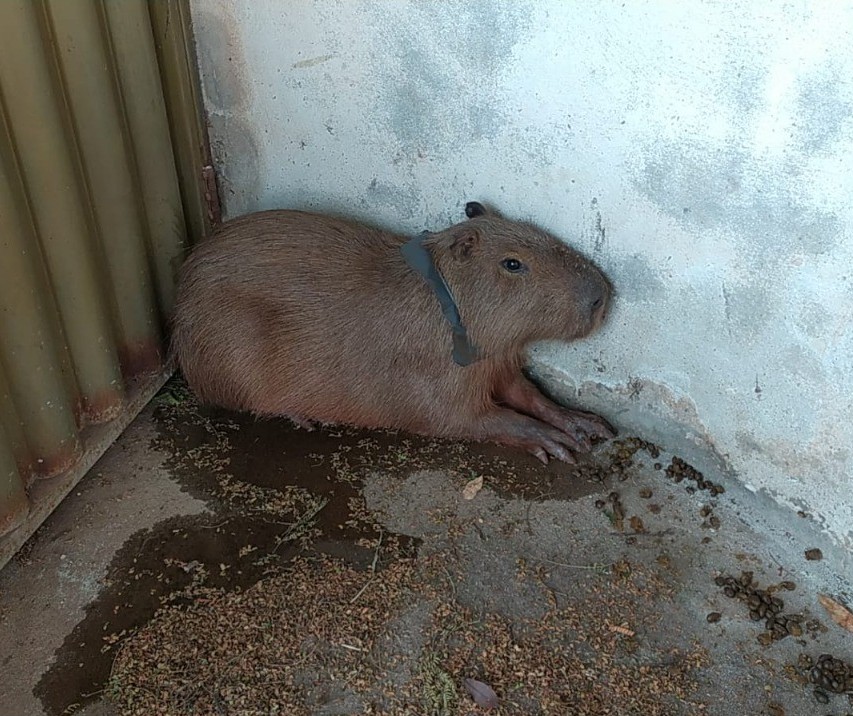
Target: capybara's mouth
{"type": "Point", "coordinates": [599, 317]}
{"type": "Point", "coordinates": [593, 323]}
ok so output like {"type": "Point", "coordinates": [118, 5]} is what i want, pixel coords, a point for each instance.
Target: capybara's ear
{"type": "Point", "coordinates": [464, 243]}
{"type": "Point", "coordinates": [474, 208]}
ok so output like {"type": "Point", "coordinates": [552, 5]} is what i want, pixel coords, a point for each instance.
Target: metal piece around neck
{"type": "Point", "coordinates": [418, 257]}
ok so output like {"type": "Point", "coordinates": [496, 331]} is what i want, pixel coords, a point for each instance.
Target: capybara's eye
{"type": "Point", "coordinates": [513, 265]}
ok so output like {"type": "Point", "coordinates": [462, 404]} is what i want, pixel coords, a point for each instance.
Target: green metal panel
{"type": "Point", "coordinates": [77, 33]}
{"type": "Point", "coordinates": [12, 429]}
{"type": "Point", "coordinates": [132, 43]}
{"type": "Point", "coordinates": [170, 22]}
{"type": "Point", "coordinates": [13, 497]}
{"type": "Point", "coordinates": [49, 157]}
{"type": "Point", "coordinates": [41, 398]}
{"type": "Point", "coordinates": [102, 151]}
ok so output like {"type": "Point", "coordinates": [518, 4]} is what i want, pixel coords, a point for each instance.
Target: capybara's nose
{"type": "Point", "coordinates": [598, 293]}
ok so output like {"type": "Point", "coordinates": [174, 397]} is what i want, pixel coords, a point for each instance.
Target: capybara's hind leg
{"type": "Point", "coordinates": [521, 431]}
{"type": "Point", "coordinates": [578, 426]}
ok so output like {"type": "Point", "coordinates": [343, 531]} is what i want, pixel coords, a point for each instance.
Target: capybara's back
{"type": "Point", "coordinates": [267, 307]}
{"type": "Point", "coordinates": [324, 320]}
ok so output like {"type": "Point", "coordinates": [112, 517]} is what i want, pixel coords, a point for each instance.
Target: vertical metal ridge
{"type": "Point", "coordinates": [14, 504]}
{"type": "Point", "coordinates": [102, 391]}
{"type": "Point", "coordinates": [48, 155]}
{"type": "Point", "coordinates": [189, 62]}
{"type": "Point", "coordinates": [132, 43]}
{"type": "Point", "coordinates": [12, 428]}
{"type": "Point", "coordinates": [42, 395]}
{"type": "Point", "coordinates": [178, 82]}
{"type": "Point", "coordinates": [84, 68]}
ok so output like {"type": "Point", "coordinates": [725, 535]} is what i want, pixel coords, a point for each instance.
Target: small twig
{"type": "Point", "coordinates": [450, 581]}
{"type": "Point", "coordinates": [221, 708]}
{"type": "Point", "coordinates": [303, 521]}
{"type": "Point", "coordinates": [361, 591]}
{"type": "Point", "coordinates": [376, 552]}
{"type": "Point", "coordinates": [480, 532]}
{"type": "Point", "coordinates": [623, 630]}
{"type": "Point", "coordinates": [595, 566]}
{"type": "Point", "coordinates": [142, 546]}
{"type": "Point", "coordinates": [527, 518]}
{"type": "Point", "coordinates": [782, 570]}
{"type": "Point", "coordinates": [216, 527]}
{"type": "Point", "coordinates": [351, 648]}
{"type": "Point", "coordinates": [372, 570]}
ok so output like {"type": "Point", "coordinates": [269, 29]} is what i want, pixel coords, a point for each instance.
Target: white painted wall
{"type": "Point", "coordinates": [700, 152]}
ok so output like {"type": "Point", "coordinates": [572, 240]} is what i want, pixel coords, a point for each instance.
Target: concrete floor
{"type": "Point", "coordinates": [173, 491]}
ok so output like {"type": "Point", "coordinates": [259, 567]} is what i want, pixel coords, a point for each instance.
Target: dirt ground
{"type": "Point", "coordinates": [215, 564]}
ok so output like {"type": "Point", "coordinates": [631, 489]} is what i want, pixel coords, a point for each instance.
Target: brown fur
{"type": "Point", "coordinates": [319, 319]}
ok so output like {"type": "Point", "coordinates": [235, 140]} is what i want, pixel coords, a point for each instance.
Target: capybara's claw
{"type": "Point", "coordinates": [597, 427]}
{"type": "Point", "coordinates": [550, 445]}
{"type": "Point", "coordinates": [583, 428]}
{"type": "Point", "coordinates": [541, 440]}
{"type": "Point", "coordinates": [561, 453]}
{"type": "Point", "coordinates": [540, 455]}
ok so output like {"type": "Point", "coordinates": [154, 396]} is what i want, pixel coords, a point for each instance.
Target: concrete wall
{"type": "Point", "coordinates": [700, 152]}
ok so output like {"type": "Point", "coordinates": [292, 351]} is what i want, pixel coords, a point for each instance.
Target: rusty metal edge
{"type": "Point", "coordinates": [46, 495]}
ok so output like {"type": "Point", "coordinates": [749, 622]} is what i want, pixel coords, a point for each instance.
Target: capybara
{"type": "Point", "coordinates": [288, 313]}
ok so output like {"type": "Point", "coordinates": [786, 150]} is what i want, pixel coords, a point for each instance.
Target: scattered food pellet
{"type": "Point", "coordinates": [814, 554]}
{"type": "Point", "coordinates": [832, 674]}
{"type": "Point", "coordinates": [679, 470]}
{"type": "Point", "coordinates": [713, 617]}
{"type": "Point", "coordinates": [645, 493]}
{"type": "Point", "coordinates": [763, 606]}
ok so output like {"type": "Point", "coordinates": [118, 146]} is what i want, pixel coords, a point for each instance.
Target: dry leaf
{"type": "Point", "coordinates": [469, 492]}
{"type": "Point", "coordinates": [483, 694]}
{"type": "Point", "coordinates": [623, 630]}
{"type": "Point", "coordinates": [637, 524]}
{"type": "Point", "coordinates": [840, 614]}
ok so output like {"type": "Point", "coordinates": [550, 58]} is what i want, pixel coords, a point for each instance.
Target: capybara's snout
{"type": "Point", "coordinates": [594, 298]}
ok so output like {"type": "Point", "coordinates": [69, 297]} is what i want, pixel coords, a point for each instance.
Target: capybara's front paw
{"type": "Point", "coordinates": [584, 428]}
{"type": "Point", "coordinates": [545, 442]}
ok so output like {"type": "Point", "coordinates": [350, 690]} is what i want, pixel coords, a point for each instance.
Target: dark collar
{"type": "Point", "coordinates": [418, 257]}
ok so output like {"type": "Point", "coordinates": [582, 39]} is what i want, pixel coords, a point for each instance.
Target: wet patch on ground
{"type": "Point", "coordinates": [274, 490]}
{"type": "Point", "coordinates": [568, 587]}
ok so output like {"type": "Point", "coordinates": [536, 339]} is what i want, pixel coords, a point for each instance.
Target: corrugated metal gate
{"type": "Point", "coordinates": [102, 184]}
